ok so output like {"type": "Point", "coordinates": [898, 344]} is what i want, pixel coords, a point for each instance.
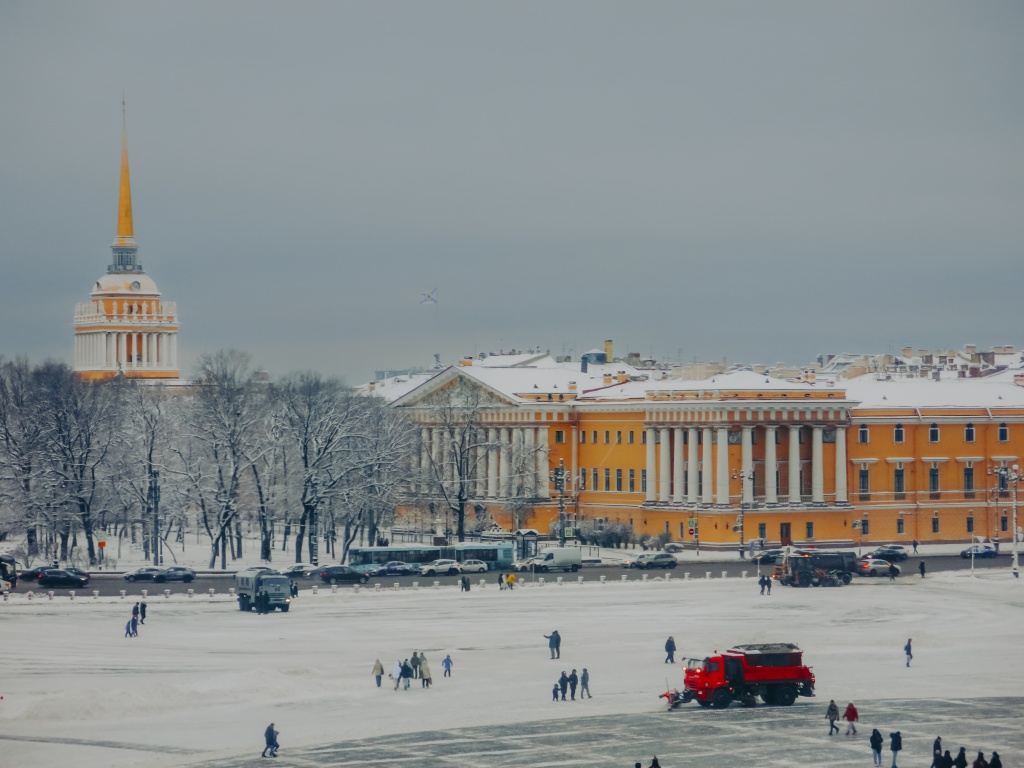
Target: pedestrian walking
{"type": "Point", "coordinates": [947, 760]}
{"type": "Point", "coordinates": [895, 745]}
{"type": "Point", "coordinates": [574, 680]}
{"type": "Point", "coordinates": [654, 763]}
{"type": "Point", "coordinates": [142, 612]}
{"type": "Point", "coordinates": [135, 626]}
{"type": "Point", "coordinates": [378, 671]}
{"type": "Point", "coordinates": [762, 582]}
{"type": "Point", "coordinates": [414, 662]}
{"type": "Point", "coordinates": [396, 673]}
{"type": "Point", "coordinates": [995, 762]}
{"type": "Point", "coordinates": [768, 583]}
{"type": "Point", "coordinates": [554, 644]}
{"type": "Point", "coordinates": [563, 684]}
{"type": "Point", "coordinates": [893, 570]}
{"type": "Point", "coordinates": [914, 545]}
{"type": "Point", "coordinates": [980, 762]}
{"type": "Point", "coordinates": [510, 580]}
{"type": "Point", "coordinates": [920, 567]}
{"type": "Point", "coordinates": [135, 611]}
{"type": "Point", "coordinates": [295, 589]}
{"type": "Point", "coordinates": [554, 692]}
{"type": "Point", "coordinates": [960, 761]}
{"type": "Point", "coordinates": [670, 650]}
{"type": "Point", "coordinates": [936, 753]}
{"type": "Point", "coordinates": [128, 628]}
{"type": "Point", "coordinates": [406, 675]}
{"type": "Point", "coordinates": [876, 746]}
{"type": "Point", "coordinates": [447, 664]}
{"type": "Point", "coordinates": [425, 679]}
{"type": "Point", "coordinates": [501, 581]}
{"type": "Point", "coordinates": [851, 717]}
{"type": "Point", "coordinates": [832, 714]}
{"type": "Point", "coordinates": [585, 684]}
{"type": "Point", "coordinates": [270, 737]}
{"type": "Point", "coordinates": [907, 650]}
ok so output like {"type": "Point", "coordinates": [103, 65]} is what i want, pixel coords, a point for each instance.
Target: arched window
{"type": "Point", "coordinates": [898, 435]}
{"type": "Point", "coordinates": [933, 433]}
{"type": "Point", "coordinates": [969, 433]}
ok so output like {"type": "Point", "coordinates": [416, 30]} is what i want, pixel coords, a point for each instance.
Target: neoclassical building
{"type": "Point", "coordinates": [126, 327]}
{"type": "Point", "coordinates": [736, 457]}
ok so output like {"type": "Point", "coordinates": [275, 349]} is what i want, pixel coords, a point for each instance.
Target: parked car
{"type": "Point", "coordinates": [394, 568]}
{"type": "Point", "coordinates": [656, 560]}
{"type": "Point", "coordinates": [78, 572]}
{"type": "Point", "coordinates": [32, 574]}
{"type": "Point", "coordinates": [894, 553]}
{"type": "Point", "coordinates": [450, 567]}
{"type": "Point", "coordinates": [301, 571]}
{"type": "Point", "coordinates": [874, 566]}
{"type": "Point", "coordinates": [474, 566]}
{"type": "Point", "coordinates": [979, 551]}
{"type": "Point", "coordinates": [674, 546]}
{"type": "Point", "coordinates": [179, 573]}
{"type": "Point", "coordinates": [340, 574]}
{"type": "Point", "coordinates": [768, 557]}
{"type": "Point", "coordinates": [57, 577]}
{"type": "Point", "coordinates": [148, 573]}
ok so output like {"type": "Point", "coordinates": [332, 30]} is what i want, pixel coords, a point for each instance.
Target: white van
{"type": "Point", "coordinates": [556, 559]}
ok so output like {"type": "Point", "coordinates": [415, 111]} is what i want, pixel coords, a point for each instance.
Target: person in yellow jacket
{"type": "Point", "coordinates": [511, 580]}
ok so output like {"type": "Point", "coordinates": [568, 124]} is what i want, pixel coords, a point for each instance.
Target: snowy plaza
{"type": "Point", "coordinates": [202, 681]}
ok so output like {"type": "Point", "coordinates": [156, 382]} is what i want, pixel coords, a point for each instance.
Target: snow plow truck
{"type": "Point", "coordinates": [775, 672]}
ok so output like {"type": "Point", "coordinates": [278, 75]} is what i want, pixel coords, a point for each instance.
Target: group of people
{"type": "Point", "coordinates": [942, 759]}
{"type": "Point", "coordinates": [568, 684]}
{"type": "Point", "coordinates": [765, 583]}
{"type": "Point", "coordinates": [851, 717]}
{"type": "Point", "coordinates": [131, 629]}
{"type": "Point", "coordinates": [414, 668]}
{"type": "Point", "coordinates": [506, 581]}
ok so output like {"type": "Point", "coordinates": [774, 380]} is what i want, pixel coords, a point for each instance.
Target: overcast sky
{"type": "Point", "coordinates": [759, 181]}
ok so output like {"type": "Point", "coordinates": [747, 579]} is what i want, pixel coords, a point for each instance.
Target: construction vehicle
{"type": "Point", "coordinates": [250, 583]}
{"type": "Point", "coordinates": [815, 569]}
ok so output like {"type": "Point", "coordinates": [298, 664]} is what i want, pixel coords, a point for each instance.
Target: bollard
{"type": "Point", "coordinates": [50, 593]}
{"type": "Point", "coordinates": [29, 595]}
{"type": "Point", "coordinates": [725, 574]}
{"type": "Point", "coordinates": [231, 591]}
{"type": "Point", "coordinates": [604, 579]}
{"type": "Point", "coordinates": [122, 594]}
{"type": "Point", "coordinates": [707, 574]}
{"type": "Point", "coordinates": [145, 592]}
{"type": "Point", "coordinates": [483, 583]}
{"type": "Point", "coordinates": [315, 588]}
{"type": "Point", "coordinates": [668, 576]}
{"type": "Point", "coordinates": [355, 588]}
{"type": "Point", "coordinates": [95, 594]}
{"type": "Point", "coordinates": [579, 579]}
{"type": "Point", "coordinates": [643, 577]}
{"type": "Point", "coordinates": [624, 577]}
{"type": "Point", "coordinates": [395, 586]}
{"type": "Point", "coordinates": [415, 585]}
{"type": "Point", "coordinates": [686, 575]}
{"type": "Point", "coordinates": [561, 580]}
{"type": "Point", "coordinates": [191, 592]}
{"type": "Point", "coordinates": [540, 581]}
{"type": "Point", "coordinates": [211, 591]}
{"type": "Point", "coordinates": [167, 593]}
{"type": "Point", "coordinates": [5, 596]}
{"type": "Point", "coordinates": [334, 589]}
{"type": "Point", "coordinates": [376, 587]}
{"type": "Point", "coordinates": [743, 574]}
{"type": "Point", "coordinates": [71, 594]}
{"type": "Point", "coordinates": [437, 584]}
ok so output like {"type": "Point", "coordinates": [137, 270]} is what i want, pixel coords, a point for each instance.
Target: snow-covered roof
{"type": "Point", "coordinates": [950, 391]}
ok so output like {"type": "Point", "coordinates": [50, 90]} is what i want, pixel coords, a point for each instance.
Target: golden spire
{"type": "Point", "coordinates": [125, 228]}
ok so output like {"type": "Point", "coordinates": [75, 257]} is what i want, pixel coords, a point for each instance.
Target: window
{"type": "Point", "coordinates": [865, 526]}
{"type": "Point", "coordinates": [559, 435]}
{"type": "Point", "coordinates": [607, 437]}
{"type": "Point", "coordinates": [935, 525]}
{"type": "Point", "coordinates": [862, 435]}
{"type": "Point", "coordinates": [607, 479]}
{"type": "Point", "coordinates": [970, 523]}
{"type": "Point", "coordinates": [593, 478]}
{"type": "Point", "coordinates": [933, 478]}
{"type": "Point", "coordinates": [1004, 479]}
{"type": "Point", "coordinates": [643, 437]}
{"type": "Point", "coordinates": [618, 480]}
{"type": "Point", "coordinates": [898, 435]}
{"type": "Point", "coordinates": [631, 437]}
{"type": "Point", "coordinates": [583, 436]}
{"type": "Point", "coordinates": [933, 433]}
{"type": "Point", "coordinates": [1004, 524]}
{"type": "Point", "coordinates": [583, 478]}
{"type": "Point", "coordinates": [667, 531]}
{"type": "Point", "coordinates": [593, 437]}
{"type": "Point", "coordinates": [899, 482]}
{"type": "Point", "coordinates": [1004, 433]}
{"type": "Point", "coordinates": [643, 481]}
{"type": "Point", "coordinates": [863, 485]}
{"type": "Point", "coordinates": [682, 530]}
{"type": "Point", "coordinates": [899, 525]}
{"type": "Point", "coordinates": [618, 438]}
{"type": "Point", "coordinates": [762, 530]}
{"type": "Point", "coordinates": [969, 481]}
{"type": "Point", "coordinates": [632, 481]}
{"type": "Point", "coordinates": [969, 433]}
{"type": "Point", "coordinates": [810, 530]}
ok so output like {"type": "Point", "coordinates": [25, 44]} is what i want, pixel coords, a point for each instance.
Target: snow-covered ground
{"type": "Point", "coordinates": [204, 677]}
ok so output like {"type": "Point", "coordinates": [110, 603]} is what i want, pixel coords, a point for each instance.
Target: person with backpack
{"type": "Point", "coordinates": [876, 746]}
{"type": "Point", "coordinates": [895, 745]}
{"type": "Point", "coordinates": [832, 714]}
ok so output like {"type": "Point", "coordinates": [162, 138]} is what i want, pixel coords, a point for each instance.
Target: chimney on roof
{"type": "Point", "coordinates": [622, 377]}
{"type": "Point", "coordinates": [608, 350]}
{"type": "Point", "coordinates": [467, 361]}
{"type": "Point", "coordinates": [607, 379]}
{"type": "Point", "coordinates": [908, 352]}
{"type": "Point", "coordinates": [572, 386]}
{"type": "Point", "coordinates": [970, 349]}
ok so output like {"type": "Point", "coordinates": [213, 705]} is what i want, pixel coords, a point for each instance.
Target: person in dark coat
{"type": "Point", "coordinates": [936, 752]}
{"type": "Point", "coordinates": [876, 746]}
{"type": "Point", "coordinates": [920, 567]}
{"type": "Point", "coordinates": [947, 760]}
{"type": "Point", "coordinates": [832, 714]}
{"type": "Point", "coordinates": [762, 582]}
{"type": "Point", "coordinates": [135, 611]}
{"type": "Point", "coordinates": [270, 736]}
{"type": "Point", "coordinates": [895, 744]}
{"type": "Point", "coordinates": [654, 763]}
{"type": "Point", "coordinates": [135, 627]}
{"type": "Point", "coordinates": [574, 680]}
{"type": "Point", "coordinates": [414, 662]}
{"type": "Point", "coordinates": [960, 761]}
{"type": "Point", "coordinates": [563, 684]}
{"type": "Point", "coordinates": [670, 650]}
{"type": "Point", "coordinates": [406, 674]}
{"type": "Point", "coordinates": [128, 628]}
{"type": "Point", "coordinates": [554, 692]}
{"type": "Point", "coordinates": [501, 581]}
{"type": "Point", "coordinates": [142, 612]}
{"type": "Point", "coordinates": [980, 762]}
{"type": "Point", "coordinates": [585, 684]}
{"type": "Point", "coordinates": [554, 644]}
{"type": "Point", "coordinates": [995, 762]}
{"type": "Point", "coordinates": [909, 651]}
{"type": "Point", "coordinates": [893, 570]}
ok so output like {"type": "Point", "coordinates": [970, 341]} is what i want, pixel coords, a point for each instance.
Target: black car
{"type": "Point", "coordinates": [56, 577]}
{"type": "Point", "coordinates": [148, 573]}
{"type": "Point", "coordinates": [301, 571]}
{"type": "Point", "coordinates": [893, 553]}
{"type": "Point", "coordinates": [339, 574]}
{"type": "Point", "coordinates": [179, 573]}
{"type": "Point", "coordinates": [394, 568]}
{"type": "Point", "coordinates": [32, 575]}
{"type": "Point", "coordinates": [77, 572]}
{"type": "Point", "coordinates": [768, 556]}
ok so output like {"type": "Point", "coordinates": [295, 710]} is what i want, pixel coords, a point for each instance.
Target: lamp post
{"type": "Point", "coordinates": [154, 497]}
{"type": "Point", "coordinates": [558, 477]}
{"type": "Point", "coordinates": [1010, 477]}
{"type": "Point", "coordinates": [314, 541]}
{"type": "Point", "coordinates": [739, 527]}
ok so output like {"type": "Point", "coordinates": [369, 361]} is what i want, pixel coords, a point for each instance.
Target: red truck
{"type": "Point", "coordinates": [773, 671]}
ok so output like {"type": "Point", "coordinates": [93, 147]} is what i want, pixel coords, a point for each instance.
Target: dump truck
{"type": "Point", "coordinates": [815, 569]}
{"type": "Point", "coordinates": [250, 583]}
{"type": "Point", "coordinates": [775, 672]}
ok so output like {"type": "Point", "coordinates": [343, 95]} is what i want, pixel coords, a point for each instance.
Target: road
{"type": "Point", "coordinates": [111, 584]}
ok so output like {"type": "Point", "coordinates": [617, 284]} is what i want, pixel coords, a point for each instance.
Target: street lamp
{"type": "Point", "coordinates": [154, 498]}
{"type": "Point", "coordinates": [558, 478]}
{"type": "Point", "coordinates": [739, 527]}
{"type": "Point", "coordinates": [314, 542]}
{"type": "Point", "coordinates": [1010, 476]}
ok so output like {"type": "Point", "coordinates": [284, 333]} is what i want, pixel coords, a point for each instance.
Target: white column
{"type": "Point", "coordinates": [664, 455]}
{"type": "Point", "coordinates": [529, 459]}
{"type": "Point", "coordinates": [651, 471]}
{"type": "Point", "coordinates": [542, 458]}
{"type": "Point", "coordinates": [144, 338]}
{"type": "Point", "coordinates": [771, 467]}
{"type": "Point", "coordinates": [174, 351]}
{"type": "Point", "coordinates": [841, 497]}
{"type": "Point", "coordinates": [794, 464]}
{"type": "Point", "coordinates": [122, 339]}
{"type": "Point", "coordinates": [492, 463]}
{"type": "Point", "coordinates": [677, 465]}
{"type": "Point", "coordinates": [817, 466]}
{"type": "Point", "coordinates": [692, 466]}
{"type": "Point", "coordinates": [747, 463]}
{"type": "Point", "coordinates": [705, 468]}
{"type": "Point", "coordinates": [504, 461]}
{"type": "Point", "coordinates": [722, 489]}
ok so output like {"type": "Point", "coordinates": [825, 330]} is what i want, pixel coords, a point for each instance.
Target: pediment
{"type": "Point", "coordinates": [453, 388]}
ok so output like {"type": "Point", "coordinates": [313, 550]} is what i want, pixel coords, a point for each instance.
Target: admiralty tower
{"type": "Point", "coordinates": [126, 327]}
